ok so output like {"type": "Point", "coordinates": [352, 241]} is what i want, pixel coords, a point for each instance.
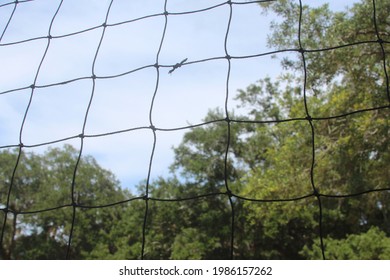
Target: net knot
{"type": "Point", "coordinates": [177, 65]}
{"type": "Point", "coordinates": [316, 193]}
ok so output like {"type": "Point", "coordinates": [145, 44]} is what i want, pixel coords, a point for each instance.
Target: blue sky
{"type": "Point", "coordinates": [182, 98]}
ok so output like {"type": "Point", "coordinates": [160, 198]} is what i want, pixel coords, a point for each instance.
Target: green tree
{"type": "Point", "coordinates": [351, 151]}
{"type": "Point", "coordinates": [372, 245]}
{"type": "Point", "coordinates": [335, 107]}
{"type": "Point", "coordinates": [44, 181]}
{"type": "Point", "coordinates": [186, 222]}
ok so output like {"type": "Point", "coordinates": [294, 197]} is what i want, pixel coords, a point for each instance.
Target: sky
{"type": "Point", "coordinates": [183, 97]}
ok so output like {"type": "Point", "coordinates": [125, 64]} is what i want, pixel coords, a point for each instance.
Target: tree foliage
{"type": "Point", "coordinates": [44, 182]}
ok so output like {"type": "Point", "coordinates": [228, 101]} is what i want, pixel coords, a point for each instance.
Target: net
{"type": "Point", "coordinates": [91, 85]}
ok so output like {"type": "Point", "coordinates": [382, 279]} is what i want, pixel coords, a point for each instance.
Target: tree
{"type": "Point", "coordinates": [185, 221]}
{"type": "Point", "coordinates": [335, 104]}
{"type": "Point", "coordinates": [351, 151]}
{"type": "Point", "coordinates": [44, 181]}
{"type": "Point", "coordinates": [372, 245]}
